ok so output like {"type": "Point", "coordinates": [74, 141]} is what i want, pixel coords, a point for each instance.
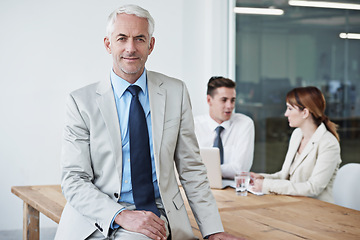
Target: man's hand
{"type": "Point", "coordinates": [144, 222]}
{"type": "Point", "coordinates": [224, 236]}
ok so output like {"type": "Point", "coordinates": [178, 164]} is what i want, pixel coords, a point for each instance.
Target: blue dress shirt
{"type": "Point", "coordinates": [122, 100]}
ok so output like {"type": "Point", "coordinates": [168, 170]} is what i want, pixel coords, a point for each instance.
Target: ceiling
{"type": "Point", "coordinates": [297, 17]}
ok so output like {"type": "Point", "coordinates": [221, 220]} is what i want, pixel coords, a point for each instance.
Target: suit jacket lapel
{"type": "Point", "coordinates": [107, 106]}
{"type": "Point", "coordinates": [295, 143]}
{"type": "Point", "coordinates": [303, 155]}
{"type": "Point", "coordinates": [157, 99]}
{"type": "Point", "coordinates": [310, 145]}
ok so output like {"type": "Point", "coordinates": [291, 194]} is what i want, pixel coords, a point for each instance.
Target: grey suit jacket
{"type": "Point", "coordinates": [92, 160]}
{"type": "Point", "coordinates": [314, 174]}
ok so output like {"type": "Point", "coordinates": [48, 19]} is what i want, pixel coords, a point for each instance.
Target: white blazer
{"type": "Point", "coordinates": [315, 172]}
{"type": "Point", "coordinates": [92, 161]}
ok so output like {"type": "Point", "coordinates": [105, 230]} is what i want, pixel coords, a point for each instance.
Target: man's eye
{"type": "Point", "coordinates": [140, 40]}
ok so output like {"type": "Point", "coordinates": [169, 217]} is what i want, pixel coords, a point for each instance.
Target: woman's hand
{"type": "Point", "coordinates": [258, 184]}
{"type": "Point", "coordinates": [254, 176]}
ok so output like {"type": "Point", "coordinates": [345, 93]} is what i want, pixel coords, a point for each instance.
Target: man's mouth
{"type": "Point", "coordinates": [130, 58]}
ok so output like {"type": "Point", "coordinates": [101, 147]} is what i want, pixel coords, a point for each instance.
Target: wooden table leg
{"type": "Point", "coordinates": [30, 223]}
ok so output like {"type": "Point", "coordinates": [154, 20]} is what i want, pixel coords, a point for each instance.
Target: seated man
{"type": "Point", "coordinates": [121, 142]}
{"type": "Point", "coordinates": [232, 133]}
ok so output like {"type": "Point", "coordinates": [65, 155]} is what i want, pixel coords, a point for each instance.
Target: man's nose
{"type": "Point", "coordinates": [229, 104]}
{"type": "Point", "coordinates": [130, 46]}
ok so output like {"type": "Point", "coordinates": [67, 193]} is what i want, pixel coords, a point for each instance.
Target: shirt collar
{"type": "Point", "coordinates": [120, 85]}
{"type": "Point", "coordinates": [226, 124]}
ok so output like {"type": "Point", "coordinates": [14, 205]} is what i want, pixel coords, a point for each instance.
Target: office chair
{"type": "Point", "coordinates": [346, 191]}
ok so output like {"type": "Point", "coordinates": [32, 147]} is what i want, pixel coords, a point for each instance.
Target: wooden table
{"type": "Point", "coordinates": [283, 217]}
{"type": "Point", "coordinates": [46, 199]}
{"type": "Point", "coordinates": [253, 217]}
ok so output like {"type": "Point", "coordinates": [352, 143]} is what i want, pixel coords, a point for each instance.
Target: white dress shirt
{"type": "Point", "coordinates": [237, 138]}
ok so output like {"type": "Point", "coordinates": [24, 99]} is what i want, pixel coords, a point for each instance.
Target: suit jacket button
{"type": "Point", "coordinates": [97, 225]}
{"type": "Point", "coordinates": [116, 195]}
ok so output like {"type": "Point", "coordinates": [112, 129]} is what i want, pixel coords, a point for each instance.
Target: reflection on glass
{"type": "Point", "coordinates": [300, 48]}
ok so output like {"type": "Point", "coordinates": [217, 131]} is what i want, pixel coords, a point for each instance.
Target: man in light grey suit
{"type": "Point", "coordinates": [96, 176]}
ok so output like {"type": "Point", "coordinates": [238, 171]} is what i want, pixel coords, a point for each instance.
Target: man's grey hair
{"type": "Point", "coordinates": [133, 10]}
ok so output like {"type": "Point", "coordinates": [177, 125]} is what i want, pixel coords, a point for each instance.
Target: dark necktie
{"type": "Point", "coordinates": [141, 171]}
{"type": "Point", "coordinates": [218, 143]}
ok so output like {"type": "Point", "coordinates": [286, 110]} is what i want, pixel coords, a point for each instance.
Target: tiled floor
{"type": "Point", "coordinates": [45, 234]}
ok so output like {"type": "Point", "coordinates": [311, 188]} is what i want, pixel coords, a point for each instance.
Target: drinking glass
{"type": "Point", "coordinates": [242, 181]}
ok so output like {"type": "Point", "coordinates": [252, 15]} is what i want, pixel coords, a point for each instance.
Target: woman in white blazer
{"type": "Point", "coordinates": [313, 157]}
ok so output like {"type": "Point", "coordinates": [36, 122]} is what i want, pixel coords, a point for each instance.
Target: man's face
{"type": "Point", "coordinates": [222, 104]}
{"type": "Point", "coordinates": [130, 46]}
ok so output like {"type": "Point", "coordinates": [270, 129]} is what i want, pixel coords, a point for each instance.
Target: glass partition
{"type": "Point", "coordinates": [302, 47]}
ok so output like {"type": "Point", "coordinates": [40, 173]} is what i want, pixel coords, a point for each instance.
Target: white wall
{"type": "Point", "coordinates": [48, 48]}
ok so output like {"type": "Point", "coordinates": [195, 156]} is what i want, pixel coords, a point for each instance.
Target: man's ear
{"type": "Point", "coordinates": [208, 99]}
{"type": "Point", "coordinates": [107, 44]}
{"type": "Point", "coordinates": [151, 45]}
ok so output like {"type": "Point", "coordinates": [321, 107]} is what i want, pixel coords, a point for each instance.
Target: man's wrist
{"type": "Point", "coordinates": [208, 236]}
{"type": "Point", "coordinates": [113, 224]}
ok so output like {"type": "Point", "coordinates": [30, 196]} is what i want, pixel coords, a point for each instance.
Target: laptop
{"type": "Point", "coordinates": [211, 159]}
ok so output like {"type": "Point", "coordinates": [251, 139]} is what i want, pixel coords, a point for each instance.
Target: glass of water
{"type": "Point", "coordinates": [242, 181]}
